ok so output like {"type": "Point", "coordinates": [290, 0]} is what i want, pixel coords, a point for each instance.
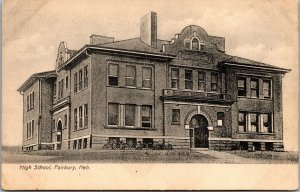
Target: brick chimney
{"type": "Point", "coordinates": [148, 29]}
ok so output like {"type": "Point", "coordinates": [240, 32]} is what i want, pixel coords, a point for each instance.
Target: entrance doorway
{"type": "Point", "coordinates": [199, 134]}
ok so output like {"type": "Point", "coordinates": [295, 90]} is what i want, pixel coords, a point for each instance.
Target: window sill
{"type": "Point", "coordinates": [189, 90]}
{"type": "Point", "coordinates": [80, 90]}
{"type": "Point", "coordinates": [146, 88]}
{"type": "Point", "coordinates": [130, 87]}
{"type": "Point", "coordinates": [244, 97]}
{"type": "Point", "coordinates": [80, 129]}
{"type": "Point", "coordinates": [130, 128]}
{"type": "Point", "coordinates": [256, 133]}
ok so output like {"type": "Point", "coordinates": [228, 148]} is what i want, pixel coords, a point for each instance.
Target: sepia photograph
{"type": "Point", "coordinates": [108, 92]}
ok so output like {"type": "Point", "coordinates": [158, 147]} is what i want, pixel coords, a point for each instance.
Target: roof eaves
{"type": "Point", "coordinates": [32, 79]}
{"type": "Point", "coordinates": [271, 68]}
{"type": "Point", "coordinates": [97, 47]}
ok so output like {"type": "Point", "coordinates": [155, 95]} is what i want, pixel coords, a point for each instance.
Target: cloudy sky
{"type": "Point", "coordinates": [262, 30]}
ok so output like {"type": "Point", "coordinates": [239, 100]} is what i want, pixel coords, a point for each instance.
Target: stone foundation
{"type": "Point", "coordinates": [99, 142]}
{"type": "Point", "coordinates": [179, 143]}
{"type": "Point", "coordinates": [245, 145]}
{"type": "Point", "coordinates": [278, 147]}
{"type": "Point", "coordinates": [46, 146]}
{"type": "Point", "coordinates": [224, 145]}
{"type": "Point", "coordinates": [30, 148]}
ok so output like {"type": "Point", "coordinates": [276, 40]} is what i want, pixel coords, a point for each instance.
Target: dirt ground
{"type": "Point", "coordinates": [14, 155]}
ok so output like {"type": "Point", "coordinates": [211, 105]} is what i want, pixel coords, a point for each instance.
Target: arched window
{"type": "Point", "coordinates": [195, 44]}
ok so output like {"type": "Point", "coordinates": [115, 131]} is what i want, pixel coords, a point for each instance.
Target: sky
{"type": "Point", "coordinates": [262, 30]}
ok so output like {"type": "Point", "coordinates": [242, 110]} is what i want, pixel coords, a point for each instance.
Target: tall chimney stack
{"type": "Point", "coordinates": [148, 29]}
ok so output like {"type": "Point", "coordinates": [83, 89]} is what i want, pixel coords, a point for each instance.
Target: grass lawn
{"type": "Point", "coordinates": [288, 156]}
{"type": "Point", "coordinates": [14, 155]}
{"type": "Point", "coordinates": [111, 156]}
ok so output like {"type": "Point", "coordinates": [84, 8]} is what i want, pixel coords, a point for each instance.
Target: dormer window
{"type": "Point", "coordinates": [195, 44]}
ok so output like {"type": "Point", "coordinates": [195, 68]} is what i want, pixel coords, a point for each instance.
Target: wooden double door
{"type": "Point", "coordinates": [199, 132]}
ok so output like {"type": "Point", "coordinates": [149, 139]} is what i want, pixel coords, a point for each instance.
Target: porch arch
{"type": "Point", "coordinates": [191, 113]}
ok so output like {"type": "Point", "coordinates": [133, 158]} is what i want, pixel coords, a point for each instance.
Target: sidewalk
{"type": "Point", "coordinates": [229, 158]}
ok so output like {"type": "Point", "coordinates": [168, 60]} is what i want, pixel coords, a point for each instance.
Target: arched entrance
{"type": "Point", "coordinates": [58, 135]}
{"type": "Point", "coordinates": [199, 135]}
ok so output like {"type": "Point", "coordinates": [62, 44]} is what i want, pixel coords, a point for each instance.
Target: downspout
{"type": "Point", "coordinates": [163, 101]}
{"type": "Point", "coordinates": [22, 93]}
{"type": "Point", "coordinates": [69, 118]}
{"type": "Point", "coordinates": [90, 107]}
{"type": "Point", "coordinates": [40, 115]}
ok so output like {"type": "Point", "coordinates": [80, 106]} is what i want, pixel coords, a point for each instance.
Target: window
{"type": "Point", "coordinates": [60, 88]}
{"type": "Point", "coordinates": [195, 44]}
{"type": "Point", "coordinates": [32, 128]}
{"type": "Point", "coordinates": [188, 76]}
{"type": "Point", "coordinates": [75, 119]}
{"type": "Point", "coordinates": [175, 116]}
{"type": "Point", "coordinates": [85, 115]}
{"type": "Point", "coordinates": [242, 122]}
{"type": "Point", "coordinates": [129, 115]}
{"type": "Point", "coordinates": [75, 83]}
{"type": "Point", "coordinates": [65, 120]}
{"type": "Point", "coordinates": [80, 80]}
{"type": "Point", "coordinates": [53, 125]}
{"type": "Point", "coordinates": [241, 86]}
{"type": "Point", "coordinates": [254, 122]}
{"type": "Point", "coordinates": [54, 89]}
{"type": "Point", "coordinates": [113, 75]}
{"type": "Point", "coordinates": [67, 82]}
{"type": "Point", "coordinates": [80, 117]}
{"type": "Point", "coordinates": [59, 84]}
{"type": "Point", "coordinates": [147, 77]}
{"type": "Point", "coordinates": [267, 88]}
{"type": "Point", "coordinates": [130, 76]}
{"type": "Point", "coordinates": [214, 82]}
{"type": "Point", "coordinates": [146, 116]}
{"type": "Point", "coordinates": [27, 130]}
{"type": "Point", "coordinates": [28, 108]}
{"type": "Point", "coordinates": [75, 144]}
{"type": "Point", "coordinates": [84, 143]}
{"type": "Point", "coordinates": [113, 113]}
{"type": "Point", "coordinates": [79, 143]}
{"type": "Point", "coordinates": [174, 78]}
{"type": "Point", "coordinates": [254, 88]}
{"type": "Point", "coordinates": [32, 99]}
{"type": "Point", "coordinates": [267, 123]}
{"type": "Point", "coordinates": [85, 71]}
{"type": "Point", "coordinates": [220, 117]}
{"type": "Point", "coordinates": [201, 80]}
